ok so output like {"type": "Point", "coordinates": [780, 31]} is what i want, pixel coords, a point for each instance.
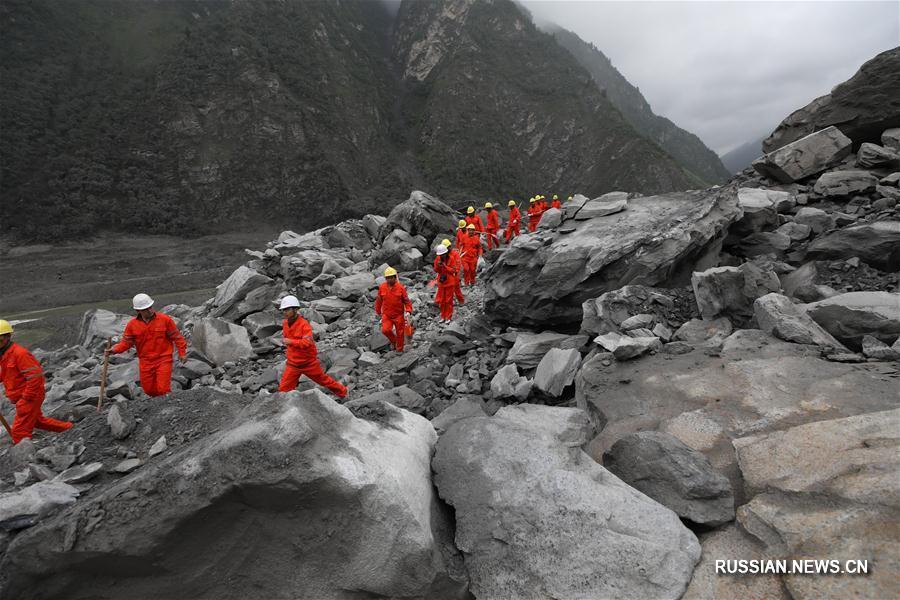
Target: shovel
{"type": "Point", "coordinates": [103, 374]}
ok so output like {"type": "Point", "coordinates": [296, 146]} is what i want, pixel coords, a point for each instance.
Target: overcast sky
{"type": "Point", "coordinates": [729, 72]}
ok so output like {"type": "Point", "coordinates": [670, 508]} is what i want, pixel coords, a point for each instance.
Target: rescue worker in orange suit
{"type": "Point", "coordinates": [455, 257]}
{"type": "Point", "coordinates": [154, 335]}
{"type": "Point", "coordinates": [447, 281]}
{"type": "Point", "coordinates": [474, 219]}
{"type": "Point", "coordinates": [515, 219]}
{"type": "Point", "coordinates": [534, 214]}
{"type": "Point", "coordinates": [493, 226]}
{"type": "Point", "coordinates": [542, 208]}
{"type": "Point", "coordinates": [302, 354]}
{"type": "Point", "coordinates": [391, 304]}
{"type": "Point", "coordinates": [556, 203]}
{"type": "Point", "coordinates": [460, 233]}
{"type": "Point", "coordinates": [23, 381]}
{"type": "Point", "coordinates": [471, 251]}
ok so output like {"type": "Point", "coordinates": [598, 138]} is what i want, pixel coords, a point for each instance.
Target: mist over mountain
{"type": "Point", "coordinates": [683, 146]}
{"type": "Point", "coordinates": [740, 158]}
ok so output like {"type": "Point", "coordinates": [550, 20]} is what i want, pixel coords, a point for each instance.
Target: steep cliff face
{"type": "Point", "coordinates": [685, 147]}
{"type": "Point", "coordinates": [499, 109]}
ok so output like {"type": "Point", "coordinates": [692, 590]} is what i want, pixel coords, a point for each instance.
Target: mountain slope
{"type": "Point", "coordinates": [203, 116]}
{"type": "Point", "coordinates": [501, 110]}
{"type": "Point", "coordinates": [740, 158]}
{"type": "Point", "coordinates": [683, 146]}
{"type": "Point", "coordinates": [194, 116]}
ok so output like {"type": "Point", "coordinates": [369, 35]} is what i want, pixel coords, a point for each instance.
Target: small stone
{"type": "Point", "coordinates": [158, 447]}
{"type": "Point", "coordinates": [127, 466]}
{"type": "Point", "coordinates": [120, 421]}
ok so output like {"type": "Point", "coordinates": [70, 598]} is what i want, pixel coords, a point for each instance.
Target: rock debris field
{"type": "Point", "coordinates": [640, 387]}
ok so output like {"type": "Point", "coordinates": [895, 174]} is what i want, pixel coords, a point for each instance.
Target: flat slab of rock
{"type": "Point", "coordinates": [546, 277]}
{"type": "Point", "coordinates": [776, 314]}
{"type": "Point", "coordinates": [852, 458]}
{"type": "Point", "coordinates": [806, 156]}
{"type": "Point", "coordinates": [608, 204]}
{"type": "Point", "coordinates": [675, 475]}
{"type": "Point", "coordinates": [80, 473]}
{"type": "Point", "coordinates": [850, 317]}
{"type": "Point", "coordinates": [354, 286]}
{"type": "Point", "coordinates": [36, 501]}
{"type": "Point", "coordinates": [230, 292]}
{"type": "Point", "coordinates": [331, 308]}
{"type": "Point", "coordinates": [841, 184]}
{"type": "Point", "coordinates": [536, 518]}
{"type": "Point", "coordinates": [625, 347]}
{"type": "Point", "coordinates": [876, 244]}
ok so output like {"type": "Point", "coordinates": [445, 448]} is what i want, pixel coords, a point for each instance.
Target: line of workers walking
{"type": "Point", "coordinates": [155, 336]}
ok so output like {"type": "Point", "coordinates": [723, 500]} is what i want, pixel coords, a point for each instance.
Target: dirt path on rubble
{"type": "Point", "coordinates": [55, 284]}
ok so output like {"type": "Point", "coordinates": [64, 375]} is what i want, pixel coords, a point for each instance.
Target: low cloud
{"type": "Point", "coordinates": [730, 71]}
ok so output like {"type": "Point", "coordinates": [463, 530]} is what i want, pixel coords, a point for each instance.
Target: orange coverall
{"type": "Point", "coordinates": [23, 380]}
{"type": "Point", "coordinates": [390, 304]}
{"type": "Point", "coordinates": [457, 291]}
{"type": "Point", "coordinates": [556, 204]}
{"type": "Point", "coordinates": [154, 341]}
{"type": "Point", "coordinates": [471, 251]}
{"type": "Point", "coordinates": [534, 216]}
{"type": "Point", "coordinates": [493, 226]}
{"type": "Point", "coordinates": [475, 220]}
{"type": "Point", "coordinates": [447, 269]}
{"type": "Point", "coordinates": [515, 219]}
{"type": "Point", "coordinates": [303, 358]}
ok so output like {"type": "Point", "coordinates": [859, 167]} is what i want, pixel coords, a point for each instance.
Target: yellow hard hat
{"type": "Point", "coordinates": [446, 242]}
{"type": "Point", "coordinates": [555, 197]}
{"type": "Point", "coordinates": [488, 205]}
{"type": "Point", "coordinates": [462, 224]}
{"type": "Point", "coordinates": [470, 210]}
{"type": "Point", "coordinates": [533, 199]}
{"type": "Point", "coordinates": [390, 272]}
{"type": "Point", "coordinates": [5, 327]}
{"type": "Point", "coordinates": [570, 197]}
{"type": "Point", "coordinates": [470, 226]}
{"type": "Point", "coordinates": [511, 203]}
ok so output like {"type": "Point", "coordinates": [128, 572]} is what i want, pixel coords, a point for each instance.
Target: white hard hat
{"type": "Point", "coordinates": [289, 302]}
{"type": "Point", "coordinates": [141, 302]}
{"type": "Point", "coordinates": [440, 250]}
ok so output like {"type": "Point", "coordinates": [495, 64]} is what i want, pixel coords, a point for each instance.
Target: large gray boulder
{"type": "Point", "coordinates": [420, 215]}
{"type": "Point", "coordinates": [98, 324]}
{"type": "Point", "coordinates": [221, 341]}
{"type": "Point", "coordinates": [776, 314]}
{"type": "Point", "coordinates": [610, 310]}
{"type": "Point", "coordinates": [840, 457]}
{"type": "Point", "coordinates": [556, 371]}
{"type": "Point", "coordinates": [836, 496]}
{"type": "Point", "coordinates": [536, 518]}
{"type": "Point", "coordinates": [25, 507]}
{"type": "Point", "coordinates": [230, 292]}
{"type": "Point", "coordinates": [607, 204]}
{"type": "Point", "coordinates": [876, 244]}
{"type": "Point", "coordinates": [842, 184]}
{"type": "Point", "coordinates": [863, 106]}
{"type": "Point", "coordinates": [675, 475]}
{"type": "Point", "coordinates": [331, 308]}
{"type": "Point", "coordinates": [306, 265]}
{"type": "Point", "coordinates": [756, 384]}
{"type": "Point", "coordinates": [353, 287]}
{"type": "Point", "coordinates": [530, 348]}
{"type": "Point", "coordinates": [805, 157]}
{"type": "Point", "coordinates": [850, 317]}
{"type": "Point", "coordinates": [731, 291]}
{"type": "Point", "coordinates": [507, 383]}
{"type": "Point", "coordinates": [349, 499]}
{"type": "Point", "coordinates": [546, 277]}
{"type": "Point", "coordinates": [872, 156]}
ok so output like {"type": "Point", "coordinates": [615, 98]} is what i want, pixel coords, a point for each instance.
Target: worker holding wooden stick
{"type": "Point", "coordinates": [23, 381]}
